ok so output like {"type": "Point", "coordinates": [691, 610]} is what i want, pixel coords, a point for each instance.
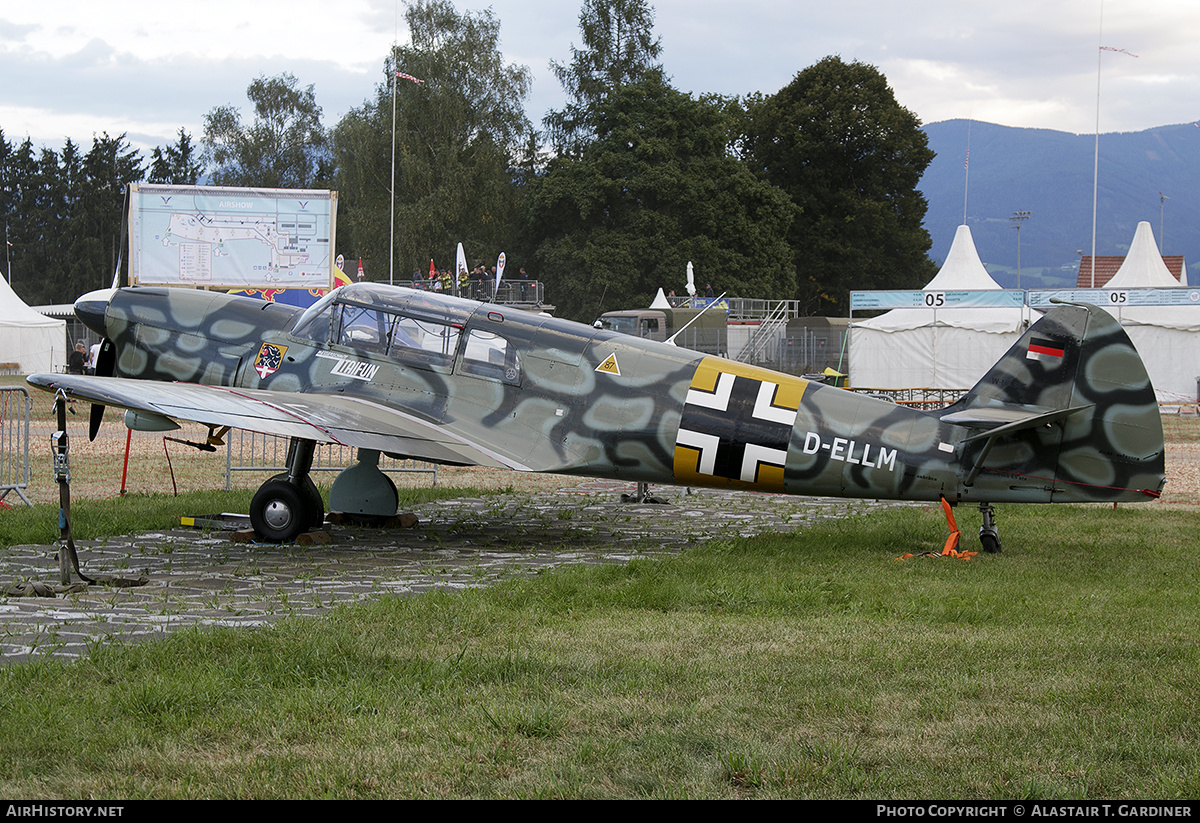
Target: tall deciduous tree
{"type": "Point", "coordinates": [850, 157]}
{"type": "Point", "coordinates": [286, 147]}
{"type": "Point", "coordinates": [654, 190]}
{"type": "Point", "coordinates": [619, 48]}
{"type": "Point", "coordinates": [459, 135]}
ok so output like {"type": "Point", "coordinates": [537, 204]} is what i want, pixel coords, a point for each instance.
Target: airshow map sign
{"type": "Point", "coordinates": [232, 238]}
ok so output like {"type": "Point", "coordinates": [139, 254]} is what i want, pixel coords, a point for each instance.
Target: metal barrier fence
{"type": "Point", "coordinates": [247, 451]}
{"type": "Point", "coordinates": [928, 399]}
{"type": "Point", "coordinates": [14, 442]}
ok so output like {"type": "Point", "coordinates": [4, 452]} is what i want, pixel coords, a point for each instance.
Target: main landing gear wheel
{"type": "Point", "coordinates": [314, 505]}
{"type": "Point", "coordinates": [278, 511]}
{"type": "Point", "coordinates": [290, 503]}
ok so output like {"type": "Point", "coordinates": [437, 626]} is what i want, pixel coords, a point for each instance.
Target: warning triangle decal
{"type": "Point", "coordinates": [609, 366]}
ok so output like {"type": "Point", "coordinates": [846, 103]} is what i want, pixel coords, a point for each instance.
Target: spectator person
{"type": "Point", "coordinates": [77, 359]}
{"type": "Point", "coordinates": [93, 354]}
{"type": "Point", "coordinates": [523, 284]}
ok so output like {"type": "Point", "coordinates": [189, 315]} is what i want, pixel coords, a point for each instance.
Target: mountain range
{"type": "Point", "coordinates": [1151, 176]}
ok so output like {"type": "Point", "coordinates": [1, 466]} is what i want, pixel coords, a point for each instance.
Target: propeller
{"type": "Point", "coordinates": [106, 365]}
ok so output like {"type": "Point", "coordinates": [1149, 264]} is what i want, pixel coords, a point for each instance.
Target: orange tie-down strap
{"type": "Point", "coordinates": [951, 547]}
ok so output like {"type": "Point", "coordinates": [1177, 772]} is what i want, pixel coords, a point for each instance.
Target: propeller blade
{"type": "Point", "coordinates": [106, 364]}
{"type": "Point", "coordinates": [94, 421]}
{"type": "Point", "coordinates": [106, 359]}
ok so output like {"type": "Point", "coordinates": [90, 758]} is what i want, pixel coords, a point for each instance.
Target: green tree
{"type": "Point", "coordinates": [459, 135]}
{"type": "Point", "coordinates": [175, 164]}
{"type": "Point", "coordinates": [8, 186]}
{"type": "Point", "coordinates": [20, 185]}
{"type": "Point", "coordinates": [64, 215]}
{"type": "Point", "coordinates": [108, 169]}
{"type": "Point", "coordinates": [850, 157]}
{"type": "Point", "coordinates": [619, 48]}
{"type": "Point", "coordinates": [657, 188]}
{"type": "Point", "coordinates": [285, 148]}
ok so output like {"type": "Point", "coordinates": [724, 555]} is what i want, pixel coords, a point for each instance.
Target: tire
{"type": "Point", "coordinates": [278, 511]}
{"type": "Point", "coordinates": [314, 504]}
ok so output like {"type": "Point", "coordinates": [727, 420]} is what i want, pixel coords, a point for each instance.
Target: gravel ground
{"type": "Point", "coordinates": [203, 578]}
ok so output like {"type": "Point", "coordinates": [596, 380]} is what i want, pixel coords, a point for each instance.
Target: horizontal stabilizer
{"type": "Point", "coordinates": [997, 421]}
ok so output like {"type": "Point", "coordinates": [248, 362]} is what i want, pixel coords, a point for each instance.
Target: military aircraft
{"type": "Point", "coordinates": [1068, 414]}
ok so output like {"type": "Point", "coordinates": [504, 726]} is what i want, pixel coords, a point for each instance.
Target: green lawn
{"type": "Point", "coordinates": [815, 665]}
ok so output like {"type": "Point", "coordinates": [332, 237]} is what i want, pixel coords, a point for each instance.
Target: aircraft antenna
{"type": "Point", "coordinates": [600, 302]}
{"type": "Point", "coordinates": [711, 303]}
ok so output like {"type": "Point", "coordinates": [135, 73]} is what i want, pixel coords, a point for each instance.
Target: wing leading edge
{"type": "Point", "coordinates": [323, 418]}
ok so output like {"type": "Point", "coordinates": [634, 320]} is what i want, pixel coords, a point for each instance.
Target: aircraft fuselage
{"type": "Point", "coordinates": [546, 394]}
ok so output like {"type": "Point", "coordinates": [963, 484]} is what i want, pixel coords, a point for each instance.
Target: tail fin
{"type": "Point", "coordinates": [1067, 414]}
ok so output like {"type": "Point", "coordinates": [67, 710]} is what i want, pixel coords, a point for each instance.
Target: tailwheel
{"type": "Point", "coordinates": [278, 511]}
{"type": "Point", "coordinates": [989, 535]}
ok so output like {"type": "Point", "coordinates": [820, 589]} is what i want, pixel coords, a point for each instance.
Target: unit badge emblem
{"type": "Point", "coordinates": [269, 359]}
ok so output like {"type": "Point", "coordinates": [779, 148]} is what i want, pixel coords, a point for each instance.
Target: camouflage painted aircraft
{"type": "Point", "coordinates": [1068, 414]}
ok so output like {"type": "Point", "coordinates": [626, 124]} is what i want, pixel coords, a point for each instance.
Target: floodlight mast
{"type": "Point", "coordinates": [1162, 238]}
{"type": "Point", "coordinates": [392, 193]}
{"type": "Point", "coordinates": [1019, 217]}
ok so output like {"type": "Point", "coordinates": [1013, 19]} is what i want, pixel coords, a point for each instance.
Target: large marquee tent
{"type": "Point", "coordinates": [33, 341]}
{"type": "Point", "coordinates": [946, 348]}
{"type": "Point", "coordinates": [1167, 337]}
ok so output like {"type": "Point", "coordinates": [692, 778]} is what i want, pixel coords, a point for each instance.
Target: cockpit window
{"type": "Point", "coordinates": [424, 340]}
{"type": "Point", "coordinates": [363, 328]}
{"type": "Point", "coordinates": [315, 323]}
{"type": "Point", "coordinates": [381, 329]}
{"type": "Point", "coordinates": [487, 354]}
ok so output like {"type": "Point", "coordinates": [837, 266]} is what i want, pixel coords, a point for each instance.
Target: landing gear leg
{"type": "Point", "coordinates": [289, 503]}
{"type": "Point", "coordinates": [989, 535]}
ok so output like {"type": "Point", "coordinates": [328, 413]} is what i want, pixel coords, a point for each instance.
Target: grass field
{"type": "Point", "coordinates": [809, 666]}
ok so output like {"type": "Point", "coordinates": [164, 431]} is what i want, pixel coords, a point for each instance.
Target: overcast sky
{"type": "Point", "coordinates": [76, 68]}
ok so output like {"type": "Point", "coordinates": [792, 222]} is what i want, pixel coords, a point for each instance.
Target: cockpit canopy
{"type": "Point", "coordinates": [416, 327]}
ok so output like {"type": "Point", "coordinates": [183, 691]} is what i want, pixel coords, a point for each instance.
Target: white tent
{"type": "Point", "coordinates": [1167, 337]}
{"type": "Point", "coordinates": [33, 341]}
{"type": "Point", "coordinates": [936, 348]}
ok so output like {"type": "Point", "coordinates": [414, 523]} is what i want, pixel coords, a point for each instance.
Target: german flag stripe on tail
{"type": "Point", "coordinates": [1043, 349]}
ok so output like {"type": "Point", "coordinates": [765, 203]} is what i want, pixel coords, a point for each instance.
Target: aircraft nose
{"type": "Point", "coordinates": [90, 309]}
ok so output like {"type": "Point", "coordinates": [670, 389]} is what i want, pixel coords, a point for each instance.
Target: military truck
{"type": "Point", "coordinates": [703, 330]}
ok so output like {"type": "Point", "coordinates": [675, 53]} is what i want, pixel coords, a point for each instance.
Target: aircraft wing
{"type": "Point", "coordinates": [323, 418]}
